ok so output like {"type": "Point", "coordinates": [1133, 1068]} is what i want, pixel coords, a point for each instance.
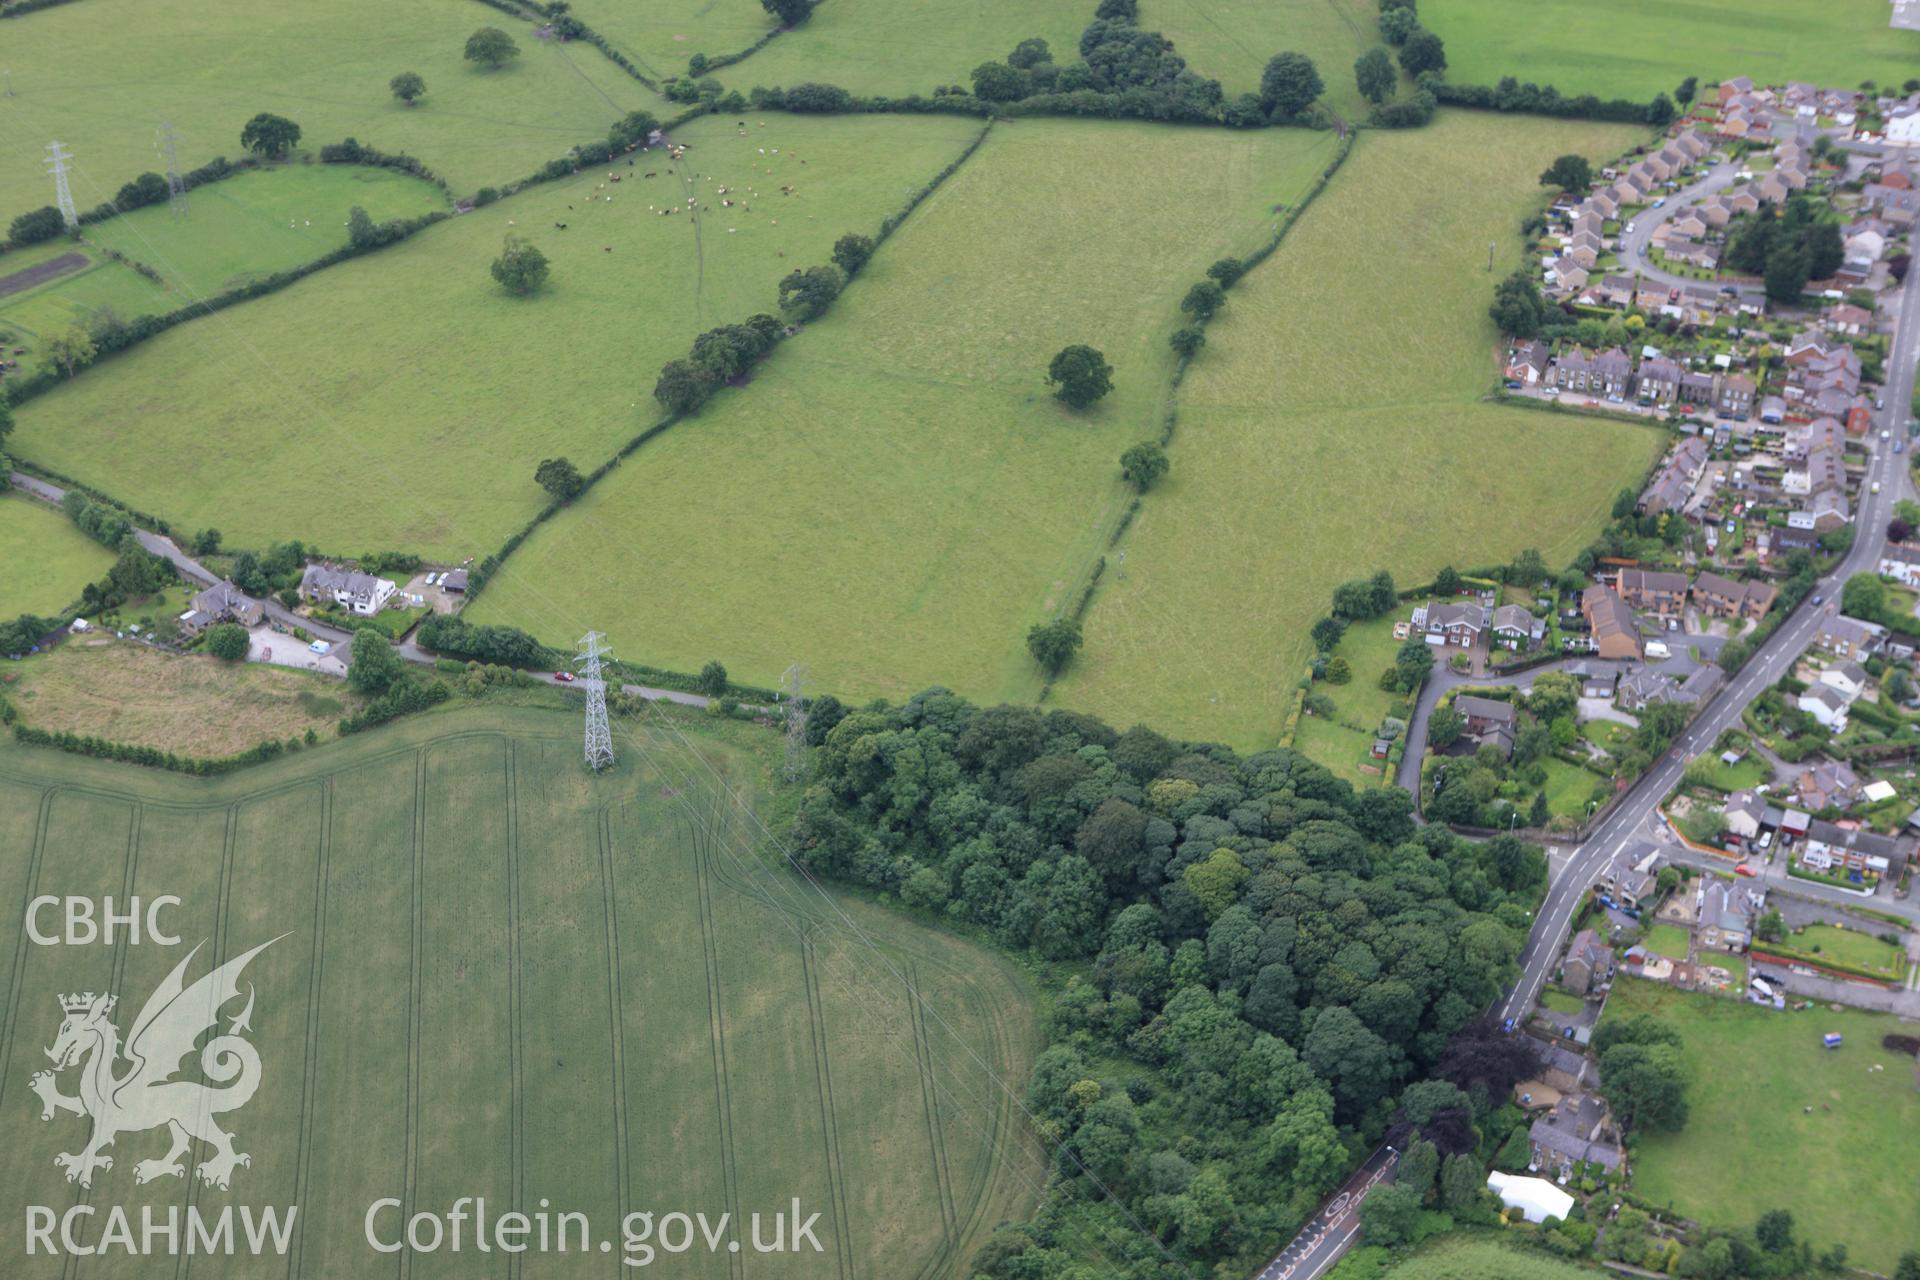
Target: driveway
{"type": "Point", "coordinates": [264, 644]}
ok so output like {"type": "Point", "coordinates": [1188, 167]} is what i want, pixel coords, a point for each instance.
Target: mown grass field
{"type": "Point", "coordinates": [1231, 40]}
{"type": "Point", "coordinates": [125, 692]}
{"type": "Point", "coordinates": [44, 560]}
{"type": "Point", "coordinates": [894, 47]}
{"type": "Point", "coordinates": [412, 371]}
{"type": "Point", "coordinates": [101, 77]}
{"type": "Point", "coordinates": [1638, 48]}
{"type": "Point", "coordinates": [1778, 1121]}
{"type": "Point", "coordinates": [1475, 1257]}
{"type": "Point", "coordinates": [248, 226]}
{"type": "Point", "coordinates": [1332, 427]}
{"type": "Point", "coordinates": [897, 497]}
{"type": "Point", "coordinates": [505, 977]}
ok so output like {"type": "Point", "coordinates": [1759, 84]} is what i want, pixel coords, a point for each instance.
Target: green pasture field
{"type": "Point", "coordinates": [248, 226]}
{"type": "Point", "coordinates": [897, 497]}
{"type": "Point", "coordinates": [31, 315]}
{"type": "Point", "coordinates": [101, 77]}
{"type": "Point", "coordinates": [1231, 40]}
{"type": "Point", "coordinates": [254, 224]}
{"type": "Point", "coordinates": [1332, 426]}
{"type": "Point", "coordinates": [498, 975]}
{"type": "Point", "coordinates": [894, 47]}
{"type": "Point", "coordinates": [1637, 48]}
{"type": "Point", "coordinates": [44, 559]}
{"type": "Point", "coordinates": [1791, 1127]}
{"type": "Point", "coordinates": [412, 370]}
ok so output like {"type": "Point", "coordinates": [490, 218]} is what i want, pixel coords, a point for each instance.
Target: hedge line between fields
{"type": "Point", "coordinates": [151, 757]}
{"type": "Point", "coordinates": [29, 6]}
{"type": "Point", "coordinates": [484, 571]}
{"type": "Point", "coordinates": [1170, 419]}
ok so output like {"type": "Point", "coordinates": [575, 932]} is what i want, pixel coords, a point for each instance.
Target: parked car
{"type": "Point", "coordinates": [1742, 869]}
{"type": "Point", "coordinates": [564, 677]}
{"type": "Point", "coordinates": [433, 579]}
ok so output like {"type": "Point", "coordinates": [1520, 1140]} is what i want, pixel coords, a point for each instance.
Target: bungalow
{"type": "Point", "coordinates": [1528, 363]}
{"type": "Point", "coordinates": [222, 602]}
{"type": "Point", "coordinates": [1690, 251]}
{"type": "Point", "coordinates": [1741, 200]}
{"type": "Point", "coordinates": [349, 589]}
{"type": "Point", "coordinates": [1613, 632]}
{"type": "Point", "coordinates": [1727, 598]}
{"type": "Point", "coordinates": [1746, 814]}
{"type": "Point", "coordinates": [1689, 224]}
{"type": "Point", "coordinates": [1664, 594]}
{"type": "Point", "coordinates": [1516, 628]}
{"type": "Point", "coordinates": [1460, 624]}
{"type": "Point", "coordinates": [1773, 410]}
{"type": "Point", "coordinates": [1578, 1130]}
{"type": "Point", "coordinates": [1588, 963]}
{"type": "Point", "coordinates": [1827, 786]}
{"type": "Point", "coordinates": [1901, 561]}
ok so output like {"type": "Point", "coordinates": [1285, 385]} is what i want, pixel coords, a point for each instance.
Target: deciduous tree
{"type": "Point", "coordinates": [1144, 464]}
{"type": "Point", "coordinates": [1080, 374]}
{"type": "Point", "coordinates": [1289, 84]}
{"type": "Point", "coordinates": [270, 136]}
{"type": "Point", "coordinates": [492, 48]}
{"type": "Point", "coordinates": [1374, 74]}
{"type": "Point", "coordinates": [521, 268]}
{"type": "Point", "coordinates": [1053, 644]}
{"type": "Point", "coordinates": [375, 665]}
{"type": "Point", "coordinates": [407, 86]}
{"type": "Point", "coordinates": [559, 477]}
{"type": "Point", "coordinates": [228, 642]}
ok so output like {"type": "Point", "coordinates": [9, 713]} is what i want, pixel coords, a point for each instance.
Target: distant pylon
{"type": "Point", "coordinates": [792, 693]}
{"type": "Point", "coordinates": [599, 735]}
{"type": "Point", "coordinates": [57, 158]}
{"type": "Point", "coordinates": [176, 185]}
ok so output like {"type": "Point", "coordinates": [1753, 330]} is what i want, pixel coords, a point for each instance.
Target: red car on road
{"type": "Point", "coordinates": [564, 677]}
{"type": "Point", "coordinates": [1744, 870]}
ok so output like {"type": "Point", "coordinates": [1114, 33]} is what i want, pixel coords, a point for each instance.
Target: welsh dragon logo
{"type": "Point", "coordinates": [145, 1095]}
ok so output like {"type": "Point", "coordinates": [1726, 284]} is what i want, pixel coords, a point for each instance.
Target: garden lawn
{"type": "Point", "coordinates": [1569, 788]}
{"type": "Point", "coordinates": [45, 561]}
{"type": "Point", "coordinates": [1347, 752]}
{"type": "Point", "coordinates": [1777, 1121]}
{"type": "Point", "coordinates": [897, 498]}
{"type": "Point", "coordinates": [1231, 40]}
{"type": "Point", "coordinates": [31, 315]}
{"type": "Point", "coordinates": [894, 47]}
{"type": "Point", "coordinates": [1637, 48]}
{"type": "Point", "coordinates": [1332, 426]}
{"type": "Point", "coordinates": [254, 224]}
{"type": "Point", "coordinates": [103, 75]}
{"type": "Point", "coordinates": [1608, 735]}
{"type": "Point", "coordinates": [1668, 940]}
{"type": "Point", "coordinates": [1849, 946]}
{"type": "Point", "coordinates": [1562, 1001]}
{"type": "Point", "coordinates": [414, 375]}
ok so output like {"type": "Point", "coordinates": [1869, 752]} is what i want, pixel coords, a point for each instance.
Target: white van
{"type": "Point", "coordinates": [1656, 649]}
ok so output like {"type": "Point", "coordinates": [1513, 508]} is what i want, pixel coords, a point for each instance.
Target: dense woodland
{"type": "Point", "coordinates": [1257, 972]}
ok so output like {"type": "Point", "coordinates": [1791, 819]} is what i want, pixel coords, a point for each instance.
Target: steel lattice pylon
{"type": "Point", "coordinates": [592, 648]}
{"type": "Point", "coordinates": [57, 158]}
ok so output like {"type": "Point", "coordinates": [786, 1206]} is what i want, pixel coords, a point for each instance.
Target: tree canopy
{"type": "Point", "coordinates": [407, 86]}
{"type": "Point", "coordinates": [1569, 172]}
{"type": "Point", "coordinates": [1289, 84]}
{"type": "Point", "coordinates": [1079, 375]}
{"type": "Point", "coordinates": [492, 48]}
{"type": "Point", "coordinates": [1375, 76]}
{"type": "Point", "coordinates": [520, 269]}
{"type": "Point", "coordinates": [560, 478]}
{"type": "Point", "coordinates": [270, 136]}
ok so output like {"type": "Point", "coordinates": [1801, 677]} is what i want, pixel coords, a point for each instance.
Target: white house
{"type": "Point", "coordinates": [1827, 705]}
{"type": "Point", "coordinates": [1901, 562]}
{"type": "Point", "coordinates": [1536, 1198]}
{"type": "Point", "coordinates": [356, 592]}
{"type": "Point", "coordinates": [1848, 677]}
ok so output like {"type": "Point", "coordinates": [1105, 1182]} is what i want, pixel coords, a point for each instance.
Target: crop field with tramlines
{"type": "Point", "coordinates": [492, 974]}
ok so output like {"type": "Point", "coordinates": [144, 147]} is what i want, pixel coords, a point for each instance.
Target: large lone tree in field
{"type": "Point", "coordinates": [790, 12]}
{"type": "Point", "coordinates": [520, 268]}
{"type": "Point", "coordinates": [1081, 375]}
{"type": "Point", "coordinates": [491, 47]}
{"type": "Point", "coordinates": [1053, 644]}
{"type": "Point", "coordinates": [269, 135]}
{"type": "Point", "coordinates": [407, 86]}
{"type": "Point", "coordinates": [1289, 84]}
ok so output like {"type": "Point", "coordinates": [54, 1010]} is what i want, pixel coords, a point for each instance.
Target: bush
{"type": "Point", "coordinates": [228, 642]}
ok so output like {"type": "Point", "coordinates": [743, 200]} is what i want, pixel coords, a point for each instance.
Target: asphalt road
{"type": "Point", "coordinates": [1632, 245]}
{"type": "Point", "coordinates": [1321, 1241]}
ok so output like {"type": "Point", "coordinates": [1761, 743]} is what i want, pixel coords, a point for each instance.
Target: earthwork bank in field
{"type": "Point", "coordinates": [411, 371]}
{"type": "Point", "coordinates": [897, 497]}
{"type": "Point", "coordinates": [1637, 48]}
{"type": "Point", "coordinates": [503, 977]}
{"type": "Point", "coordinates": [1332, 427]}
{"type": "Point", "coordinates": [101, 76]}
